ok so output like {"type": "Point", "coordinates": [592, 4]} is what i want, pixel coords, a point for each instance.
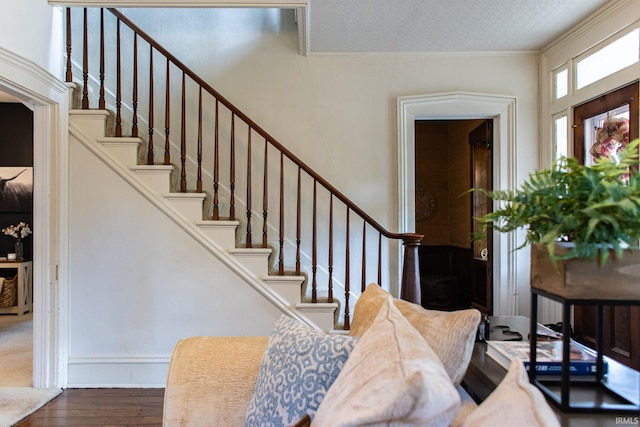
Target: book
{"type": "Point", "coordinates": [548, 356]}
{"type": "Point", "coordinates": [505, 333]}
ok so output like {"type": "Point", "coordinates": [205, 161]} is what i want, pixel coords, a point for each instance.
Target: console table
{"type": "Point", "coordinates": [484, 374]}
{"type": "Point", "coordinates": [25, 286]}
{"type": "Point", "coordinates": [596, 396]}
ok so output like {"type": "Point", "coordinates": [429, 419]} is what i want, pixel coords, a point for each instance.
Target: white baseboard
{"type": "Point", "coordinates": [118, 372]}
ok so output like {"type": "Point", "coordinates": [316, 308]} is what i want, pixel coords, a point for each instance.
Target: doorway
{"type": "Point", "coordinates": [510, 284]}
{"type": "Point", "coordinates": [16, 207]}
{"type": "Point", "coordinates": [48, 99]}
{"type": "Point", "coordinates": [451, 157]}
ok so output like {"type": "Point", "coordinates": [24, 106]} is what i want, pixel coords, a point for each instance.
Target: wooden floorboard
{"type": "Point", "coordinates": [100, 407]}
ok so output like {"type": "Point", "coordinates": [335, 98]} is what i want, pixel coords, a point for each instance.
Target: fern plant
{"type": "Point", "coordinates": [596, 207]}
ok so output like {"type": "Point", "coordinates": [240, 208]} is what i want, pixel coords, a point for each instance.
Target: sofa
{"type": "Point", "coordinates": [399, 365]}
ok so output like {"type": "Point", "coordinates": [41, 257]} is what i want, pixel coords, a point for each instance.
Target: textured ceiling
{"type": "Point", "coordinates": [442, 25]}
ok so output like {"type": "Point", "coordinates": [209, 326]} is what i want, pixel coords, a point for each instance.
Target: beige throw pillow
{"type": "Point", "coordinates": [392, 377]}
{"type": "Point", "coordinates": [515, 402]}
{"type": "Point", "coordinates": [450, 334]}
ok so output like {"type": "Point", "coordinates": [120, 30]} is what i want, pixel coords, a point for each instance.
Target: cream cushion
{"type": "Point", "coordinates": [515, 402]}
{"type": "Point", "coordinates": [450, 334]}
{"type": "Point", "coordinates": [211, 380]}
{"type": "Point", "coordinates": [392, 377]}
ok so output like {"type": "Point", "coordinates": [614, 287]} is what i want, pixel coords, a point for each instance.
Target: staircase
{"type": "Point", "coordinates": [92, 126]}
{"type": "Point", "coordinates": [219, 163]}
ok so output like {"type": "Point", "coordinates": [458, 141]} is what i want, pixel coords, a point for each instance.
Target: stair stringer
{"type": "Point", "coordinates": [260, 286]}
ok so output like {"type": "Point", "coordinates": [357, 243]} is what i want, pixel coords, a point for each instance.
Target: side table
{"type": "Point", "coordinates": [598, 395]}
{"type": "Point", "coordinates": [484, 375]}
{"type": "Point", "coordinates": [25, 285]}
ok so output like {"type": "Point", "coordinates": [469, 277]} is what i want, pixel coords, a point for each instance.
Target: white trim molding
{"type": "Point", "coordinates": [455, 106]}
{"type": "Point", "coordinates": [301, 7]}
{"type": "Point", "coordinates": [48, 98]}
{"type": "Point", "coordinates": [115, 370]}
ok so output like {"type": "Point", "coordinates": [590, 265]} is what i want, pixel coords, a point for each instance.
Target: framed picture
{"type": "Point", "coordinates": [16, 189]}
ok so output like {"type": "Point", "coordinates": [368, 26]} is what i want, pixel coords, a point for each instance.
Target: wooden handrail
{"type": "Point", "coordinates": [235, 111]}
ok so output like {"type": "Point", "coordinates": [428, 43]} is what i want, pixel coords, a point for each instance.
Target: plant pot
{"type": "Point", "coordinates": [618, 279]}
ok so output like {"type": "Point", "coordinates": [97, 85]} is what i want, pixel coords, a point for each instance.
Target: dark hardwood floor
{"type": "Point", "coordinates": [100, 407]}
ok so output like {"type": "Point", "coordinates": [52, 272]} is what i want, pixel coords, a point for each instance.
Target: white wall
{"type": "Point", "coordinates": [32, 29]}
{"type": "Point", "coordinates": [138, 283]}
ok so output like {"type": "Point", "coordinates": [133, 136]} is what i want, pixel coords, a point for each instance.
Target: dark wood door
{"type": "Point", "coordinates": [481, 148]}
{"type": "Point", "coordinates": [621, 328]}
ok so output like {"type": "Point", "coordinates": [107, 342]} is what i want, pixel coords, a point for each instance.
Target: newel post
{"type": "Point", "coordinates": [410, 286]}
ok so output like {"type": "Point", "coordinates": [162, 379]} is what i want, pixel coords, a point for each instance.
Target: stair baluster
{"type": "Point", "coordinates": [118, 82]}
{"type": "Point", "coordinates": [281, 231]}
{"type": "Point", "coordinates": [232, 171]}
{"type": "Point", "coordinates": [167, 117]}
{"type": "Point", "coordinates": [330, 267]}
{"type": "Point", "coordinates": [183, 139]}
{"type": "Point", "coordinates": [265, 196]}
{"type": "Point", "coordinates": [150, 153]}
{"type": "Point", "coordinates": [347, 282]}
{"type": "Point", "coordinates": [134, 96]}
{"type": "Point", "coordinates": [216, 167]}
{"type": "Point", "coordinates": [101, 99]}
{"type": "Point", "coordinates": [85, 64]}
{"type": "Point", "coordinates": [249, 211]}
{"type": "Point", "coordinates": [199, 155]}
{"type": "Point", "coordinates": [298, 222]}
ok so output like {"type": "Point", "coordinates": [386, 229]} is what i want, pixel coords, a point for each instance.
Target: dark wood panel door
{"type": "Point", "coordinates": [621, 328]}
{"type": "Point", "coordinates": [481, 148]}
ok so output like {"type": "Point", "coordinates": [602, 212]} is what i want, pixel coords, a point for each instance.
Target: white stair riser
{"type": "Point", "coordinates": [320, 314]}
{"type": "Point", "coordinates": [91, 122]}
{"type": "Point", "coordinates": [290, 293]}
{"type": "Point", "coordinates": [159, 181]}
{"type": "Point", "coordinates": [126, 152]}
{"type": "Point", "coordinates": [257, 263]}
{"type": "Point", "coordinates": [290, 290]}
{"type": "Point", "coordinates": [190, 208]}
{"type": "Point", "coordinates": [223, 235]}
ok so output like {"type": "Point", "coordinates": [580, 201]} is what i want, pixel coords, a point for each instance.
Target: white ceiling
{"type": "Point", "coordinates": [442, 25]}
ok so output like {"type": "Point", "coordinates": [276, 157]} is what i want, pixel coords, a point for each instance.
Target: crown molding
{"type": "Point", "coordinates": [184, 3]}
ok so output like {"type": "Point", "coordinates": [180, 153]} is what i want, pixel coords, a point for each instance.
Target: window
{"type": "Point", "coordinates": [613, 57]}
{"type": "Point", "coordinates": [562, 83]}
{"type": "Point", "coordinates": [560, 136]}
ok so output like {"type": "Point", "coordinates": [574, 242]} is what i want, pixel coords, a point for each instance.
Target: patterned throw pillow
{"type": "Point", "coordinates": [298, 367]}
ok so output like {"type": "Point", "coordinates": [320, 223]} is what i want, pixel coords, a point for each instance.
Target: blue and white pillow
{"type": "Point", "coordinates": [297, 368]}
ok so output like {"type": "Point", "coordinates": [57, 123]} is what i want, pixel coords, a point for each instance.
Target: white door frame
{"type": "Point", "coordinates": [459, 106]}
{"type": "Point", "coordinates": [48, 98]}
